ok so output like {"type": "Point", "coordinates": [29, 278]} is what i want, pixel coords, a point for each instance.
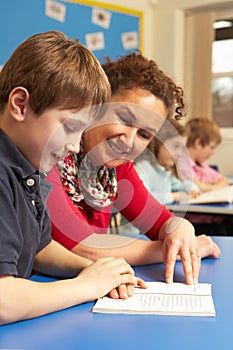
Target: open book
{"type": "Point", "coordinates": [220, 195]}
{"type": "Point", "coordinates": [162, 299]}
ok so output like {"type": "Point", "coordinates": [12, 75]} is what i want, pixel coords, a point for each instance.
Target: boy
{"type": "Point", "coordinates": [45, 84]}
{"type": "Point", "coordinates": [203, 136]}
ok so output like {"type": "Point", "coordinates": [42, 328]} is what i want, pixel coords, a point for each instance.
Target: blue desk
{"type": "Point", "coordinates": [215, 209]}
{"type": "Point", "coordinates": [78, 328]}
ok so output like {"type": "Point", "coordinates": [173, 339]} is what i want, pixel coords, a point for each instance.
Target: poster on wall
{"type": "Point", "coordinates": [107, 30]}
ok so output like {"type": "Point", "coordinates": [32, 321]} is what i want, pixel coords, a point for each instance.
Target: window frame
{"type": "Point", "coordinates": [227, 132]}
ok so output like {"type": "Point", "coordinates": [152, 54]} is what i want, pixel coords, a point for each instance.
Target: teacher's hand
{"type": "Point", "coordinates": [179, 240]}
{"type": "Point", "coordinates": [208, 248]}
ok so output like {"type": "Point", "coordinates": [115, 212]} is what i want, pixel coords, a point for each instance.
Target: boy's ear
{"type": "Point", "coordinates": [197, 143]}
{"type": "Point", "coordinates": [18, 101]}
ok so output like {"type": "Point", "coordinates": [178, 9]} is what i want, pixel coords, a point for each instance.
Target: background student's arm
{"type": "Point", "coordinates": [22, 299]}
{"type": "Point", "coordinates": [177, 196]}
{"type": "Point", "coordinates": [157, 181]}
{"type": "Point", "coordinates": [211, 179]}
{"type": "Point", "coordinates": [212, 185]}
{"type": "Point", "coordinates": [222, 182]}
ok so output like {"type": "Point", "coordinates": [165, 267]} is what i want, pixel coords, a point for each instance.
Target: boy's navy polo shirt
{"type": "Point", "coordinates": [24, 222]}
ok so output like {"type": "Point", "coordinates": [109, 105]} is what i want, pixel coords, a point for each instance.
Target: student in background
{"type": "Point", "coordinates": [88, 184]}
{"type": "Point", "coordinates": [156, 166]}
{"type": "Point", "coordinates": [203, 136]}
{"type": "Point", "coordinates": [44, 87]}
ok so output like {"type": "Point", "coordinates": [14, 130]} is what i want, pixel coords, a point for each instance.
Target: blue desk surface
{"type": "Point", "coordinates": [78, 328]}
{"type": "Point", "coordinates": [215, 209]}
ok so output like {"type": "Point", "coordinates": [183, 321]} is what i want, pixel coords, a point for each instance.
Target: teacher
{"type": "Point", "coordinates": [87, 185]}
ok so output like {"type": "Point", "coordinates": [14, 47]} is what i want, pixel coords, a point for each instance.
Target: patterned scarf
{"type": "Point", "coordinates": [82, 181]}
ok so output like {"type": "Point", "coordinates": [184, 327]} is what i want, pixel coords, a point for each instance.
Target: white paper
{"type": "Point", "coordinates": [101, 17]}
{"type": "Point", "coordinates": [129, 40]}
{"type": "Point", "coordinates": [175, 288]}
{"type": "Point", "coordinates": [95, 41]}
{"type": "Point", "coordinates": [220, 195]}
{"type": "Point", "coordinates": [163, 299]}
{"type": "Point", "coordinates": [55, 10]}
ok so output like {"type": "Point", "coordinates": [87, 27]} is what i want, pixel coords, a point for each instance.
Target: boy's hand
{"type": "Point", "coordinates": [194, 193]}
{"type": "Point", "coordinates": [124, 291]}
{"type": "Point", "coordinates": [106, 275]}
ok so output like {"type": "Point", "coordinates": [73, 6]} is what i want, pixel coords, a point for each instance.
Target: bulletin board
{"type": "Point", "coordinates": [107, 30]}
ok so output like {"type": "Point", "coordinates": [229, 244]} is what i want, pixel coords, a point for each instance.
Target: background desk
{"type": "Point", "coordinates": [78, 328]}
{"type": "Point", "coordinates": [215, 209]}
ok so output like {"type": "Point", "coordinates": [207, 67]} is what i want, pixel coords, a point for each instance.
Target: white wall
{"type": "Point", "coordinates": [149, 13]}
{"type": "Point", "coordinates": [172, 45]}
{"type": "Point", "coordinates": [164, 32]}
{"type": "Point", "coordinates": [224, 153]}
{"type": "Point", "coordinates": [164, 28]}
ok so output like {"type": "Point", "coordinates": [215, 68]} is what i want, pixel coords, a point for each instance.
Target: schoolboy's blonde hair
{"type": "Point", "coordinates": [57, 72]}
{"type": "Point", "coordinates": [204, 129]}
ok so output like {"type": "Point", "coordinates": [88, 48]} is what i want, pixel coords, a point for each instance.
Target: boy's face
{"type": "Point", "coordinates": [205, 152]}
{"type": "Point", "coordinates": [47, 138]}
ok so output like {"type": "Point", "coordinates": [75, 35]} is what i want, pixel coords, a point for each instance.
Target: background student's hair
{"type": "Point", "coordinates": [170, 129]}
{"type": "Point", "coordinates": [204, 129]}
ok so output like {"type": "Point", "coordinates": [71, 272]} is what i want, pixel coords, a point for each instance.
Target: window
{"type": "Point", "coordinates": [222, 73]}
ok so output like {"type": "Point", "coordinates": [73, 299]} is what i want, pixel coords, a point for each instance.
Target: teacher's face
{"type": "Point", "coordinates": [133, 118]}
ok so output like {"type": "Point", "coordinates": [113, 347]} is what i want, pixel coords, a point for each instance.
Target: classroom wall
{"type": "Point", "coordinates": [164, 28]}
{"type": "Point", "coordinates": [163, 41]}
{"type": "Point", "coordinates": [223, 153]}
{"type": "Point", "coordinates": [172, 45]}
{"type": "Point", "coordinates": [164, 23]}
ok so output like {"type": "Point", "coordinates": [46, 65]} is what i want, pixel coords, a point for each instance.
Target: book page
{"type": "Point", "coordinates": [175, 288]}
{"type": "Point", "coordinates": [220, 195]}
{"type": "Point", "coordinates": [163, 299]}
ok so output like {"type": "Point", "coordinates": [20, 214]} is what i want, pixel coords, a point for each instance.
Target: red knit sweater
{"type": "Point", "coordinates": [72, 224]}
